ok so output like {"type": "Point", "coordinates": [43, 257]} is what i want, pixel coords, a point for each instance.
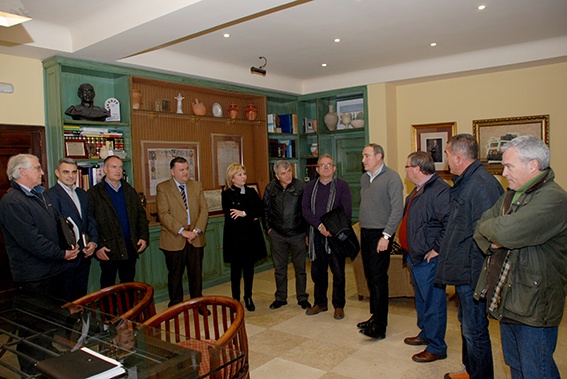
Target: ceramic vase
{"type": "Point", "coordinates": [136, 98]}
{"type": "Point", "coordinates": [233, 111]}
{"type": "Point", "coordinates": [346, 119]}
{"type": "Point", "coordinates": [251, 112]}
{"type": "Point", "coordinates": [331, 119]}
{"type": "Point", "coordinates": [198, 108]}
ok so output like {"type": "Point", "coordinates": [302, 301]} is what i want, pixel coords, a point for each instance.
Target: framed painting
{"type": "Point", "coordinates": [353, 107]}
{"type": "Point", "coordinates": [75, 149]}
{"type": "Point", "coordinates": [433, 138]}
{"type": "Point", "coordinates": [214, 201]}
{"type": "Point", "coordinates": [493, 134]}
{"type": "Point", "coordinates": [156, 156]}
{"type": "Point", "coordinates": [227, 149]}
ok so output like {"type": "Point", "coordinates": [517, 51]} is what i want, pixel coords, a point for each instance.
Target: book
{"type": "Point", "coordinates": [80, 364]}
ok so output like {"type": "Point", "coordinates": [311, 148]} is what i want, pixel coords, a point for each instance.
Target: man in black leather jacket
{"type": "Point", "coordinates": [286, 228]}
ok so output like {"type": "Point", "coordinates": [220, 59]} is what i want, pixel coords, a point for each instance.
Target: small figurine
{"type": "Point", "coordinates": [179, 99]}
{"type": "Point", "coordinates": [87, 110]}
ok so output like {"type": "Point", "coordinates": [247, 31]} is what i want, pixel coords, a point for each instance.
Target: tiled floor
{"type": "Point", "coordinates": [286, 343]}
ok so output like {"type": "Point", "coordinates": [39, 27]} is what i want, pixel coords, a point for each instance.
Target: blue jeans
{"type": "Point", "coordinates": [431, 306]}
{"type": "Point", "coordinates": [477, 350]}
{"type": "Point", "coordinates": [529, 351]}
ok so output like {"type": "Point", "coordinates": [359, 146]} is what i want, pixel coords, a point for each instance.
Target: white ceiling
{"type": "Point", "coordinates": [381, 40]}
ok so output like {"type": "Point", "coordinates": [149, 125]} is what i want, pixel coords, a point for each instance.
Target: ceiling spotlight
{"type": "Point", "coordinates": [259, 70]}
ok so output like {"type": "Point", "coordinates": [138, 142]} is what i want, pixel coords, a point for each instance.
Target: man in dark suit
{"type": "Point", "coordinates": [183, 213]}
{"type": "Point", "coordinates": [72, 201]}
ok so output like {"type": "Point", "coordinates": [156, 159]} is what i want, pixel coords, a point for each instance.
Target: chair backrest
{"type": "Point", "coordinates": [131, 301]}
{"type": "Point", "coordinates": [223, 327]}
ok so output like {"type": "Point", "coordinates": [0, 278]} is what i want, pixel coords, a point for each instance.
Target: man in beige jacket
{"type": "Point", "coordinates": [183, 214]}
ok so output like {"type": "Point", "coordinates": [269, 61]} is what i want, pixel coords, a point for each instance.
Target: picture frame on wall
{"type": "Point", "coordinates": [227, 149]}
{"type": "Point", "coordinates": [156, 156]}
{"type": "Point", "coordinates": [433, 138]}
{"type": "Point", "coordinates": [493, 134]}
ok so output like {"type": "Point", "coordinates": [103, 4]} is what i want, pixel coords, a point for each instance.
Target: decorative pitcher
{"type": "Point", "coordinates": [233, 111]}
{"type": "Point", "coordinates": [198, 108]}
{"type": "Point", "coordinates": [251, 112]}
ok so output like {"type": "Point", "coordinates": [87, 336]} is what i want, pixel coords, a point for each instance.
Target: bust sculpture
{"type": "Point", "coordinates": [87, 110]}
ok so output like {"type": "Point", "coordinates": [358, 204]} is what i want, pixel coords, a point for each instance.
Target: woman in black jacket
{"type": "Point", "coordinates": [243, 238]}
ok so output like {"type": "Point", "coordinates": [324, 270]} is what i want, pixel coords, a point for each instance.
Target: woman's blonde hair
{"type": "Point", "coordinates": [232, 170]}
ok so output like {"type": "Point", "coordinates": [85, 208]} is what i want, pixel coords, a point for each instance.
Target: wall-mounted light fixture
{"type": "Point", "coordinates": [13, 12]}
{"type": "Point", "coordinates": [259, 70]}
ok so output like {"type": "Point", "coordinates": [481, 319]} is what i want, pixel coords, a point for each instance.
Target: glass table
{"type": "Point", "coordinates": [34, 328]}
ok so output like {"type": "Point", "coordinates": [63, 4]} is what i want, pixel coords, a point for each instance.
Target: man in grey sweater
{"type": "Point", "coordinates": [381, 210]}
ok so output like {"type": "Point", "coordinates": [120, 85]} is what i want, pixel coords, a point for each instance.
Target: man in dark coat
{"type": "Point", "coordinates": [72, 201]}
{"type": "Point", "coordinates": [122, 224]}
{"type": "Point", "coordinates": [460, 260]}
{"type": "Point", "coordinates": [286, 229]}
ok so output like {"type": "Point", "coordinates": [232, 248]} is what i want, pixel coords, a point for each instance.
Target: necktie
{"type": "Point", "coordinates": [183, 196]}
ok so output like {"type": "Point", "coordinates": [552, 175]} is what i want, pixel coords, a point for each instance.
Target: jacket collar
{"type": "Point", "coordinates": [469, 171]}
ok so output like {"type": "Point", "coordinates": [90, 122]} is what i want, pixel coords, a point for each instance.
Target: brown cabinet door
{"type": "Point", "coordinates": [17, 139]}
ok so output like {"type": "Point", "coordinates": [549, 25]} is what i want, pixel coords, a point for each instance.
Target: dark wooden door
{"type": "Point", "coordinates": [17, 139]}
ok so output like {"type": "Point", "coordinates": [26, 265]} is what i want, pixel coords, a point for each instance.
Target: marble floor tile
{"type": "Point", "coordinates": [279, 368]}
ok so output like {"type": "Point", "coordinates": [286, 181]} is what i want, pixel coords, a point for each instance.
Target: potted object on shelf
{"type": "Point", "coordinates": [345, 120]}
{"type": "Point", "coordinates": [358, 122]}
{"type": "Point", "coordinates": [251, 112]}
{"type": "Point", "coordinates": [198, 108]}
{"type": "Point", "coordinates": [331, 119]}
{"type": "Point", "coordinates": [233, 111]}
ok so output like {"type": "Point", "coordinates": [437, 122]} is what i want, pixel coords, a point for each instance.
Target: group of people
{"type": "Point", "coordinates": [505, 253]}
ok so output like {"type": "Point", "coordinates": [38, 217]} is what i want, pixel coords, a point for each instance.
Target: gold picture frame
{"type": "Point", "coordinates": [492, 134]}
{"type": "Point", "coordinates": [433, 138]}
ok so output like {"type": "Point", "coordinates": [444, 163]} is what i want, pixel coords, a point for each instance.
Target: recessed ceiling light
{"type": "Point", "coordinates": [226, 35]}
{"type": "Point", "coordinates": [481, 7]}
{"type": "Point", "coordinates": [337, 40]}
{"type": "Point", "coordinates": [433, 44]}
{"type": "Point", "coordinates": [324, 65]}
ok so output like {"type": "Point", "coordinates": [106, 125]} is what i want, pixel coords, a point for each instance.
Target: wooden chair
{"type": "Point", "coordinates": [131, 301]}
{"type": "Point", "coordinates": [188, 321]}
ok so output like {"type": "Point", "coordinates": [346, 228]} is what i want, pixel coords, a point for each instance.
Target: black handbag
{"type": "Point", "coordinates": [343, 241]}
{"type": "Point", "coordinates": [67, 238]}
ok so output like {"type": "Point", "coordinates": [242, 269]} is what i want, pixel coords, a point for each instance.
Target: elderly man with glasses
{"type": "Point", "coordinates": [319, 197]}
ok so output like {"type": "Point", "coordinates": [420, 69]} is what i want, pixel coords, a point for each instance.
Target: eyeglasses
{"type": "Point", "coordinates": [409, 166]}
{"type": "Point", "coordinates": [327, 165]}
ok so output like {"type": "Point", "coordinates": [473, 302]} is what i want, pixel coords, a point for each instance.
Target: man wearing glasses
{"type": "Point", "coordinates": [319, 197]}
{"type": "Point", "coordinates": [381, 210]}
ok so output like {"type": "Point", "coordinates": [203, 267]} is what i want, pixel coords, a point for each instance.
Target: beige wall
{"type": "Point", "coordinates": [25, 106]}
{"type": "Point", "coordinates": [513, 93]}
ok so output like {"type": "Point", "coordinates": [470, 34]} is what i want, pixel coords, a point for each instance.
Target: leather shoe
{"type": "Point", "coordinates": [316, 309]}
{"type": "Point", "coordinates": [249, 304]}
{"type": "Point", "coordinates": [365, 324]}
{"type": "Point", "coordinates": [373, 332]}
{"type": "Point", "coordinates": [304, 304]}
{"type": "Point", "coordinates": [415, 341]}
{"type": "Point", "coordinates": [339, 314]}
{"type": "Point", "coordinates": [425, 356]}
{"type": "Point", "coordinates": [277, 304]}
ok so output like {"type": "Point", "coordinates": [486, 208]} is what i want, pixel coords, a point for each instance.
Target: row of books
{"type": "Point", "coordinates": [281, 148]}
{"type": "Point", "coordinates": [89, 175]}
{"type": "Point", "coordinates": [287, 123]}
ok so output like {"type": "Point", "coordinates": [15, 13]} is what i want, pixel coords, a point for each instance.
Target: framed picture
{"type": "Point", "coordinates": [354, 107]}
{"type": "Point", "coordinates": [227, 149]}
{"type": "Point", "coordinates": [433, 138]}
{"type": "Point", "coordinates": [492, 134]}
{"type": "Point", "coordinates": [156, 156]}
{"type": "Point", "coordinates": [214, 201]}
{"type": "Point", "coordinates": [75, 149]}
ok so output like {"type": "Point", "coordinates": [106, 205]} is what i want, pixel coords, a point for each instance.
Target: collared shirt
{"type": "Point", "coordinates": [372, 176]}
{"type": "Point", "coordinates": [423, 182]}
{"type": "Point", "coordinates": [112, 186]}
{"type": "Point", "coordinates": [72, 194]}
